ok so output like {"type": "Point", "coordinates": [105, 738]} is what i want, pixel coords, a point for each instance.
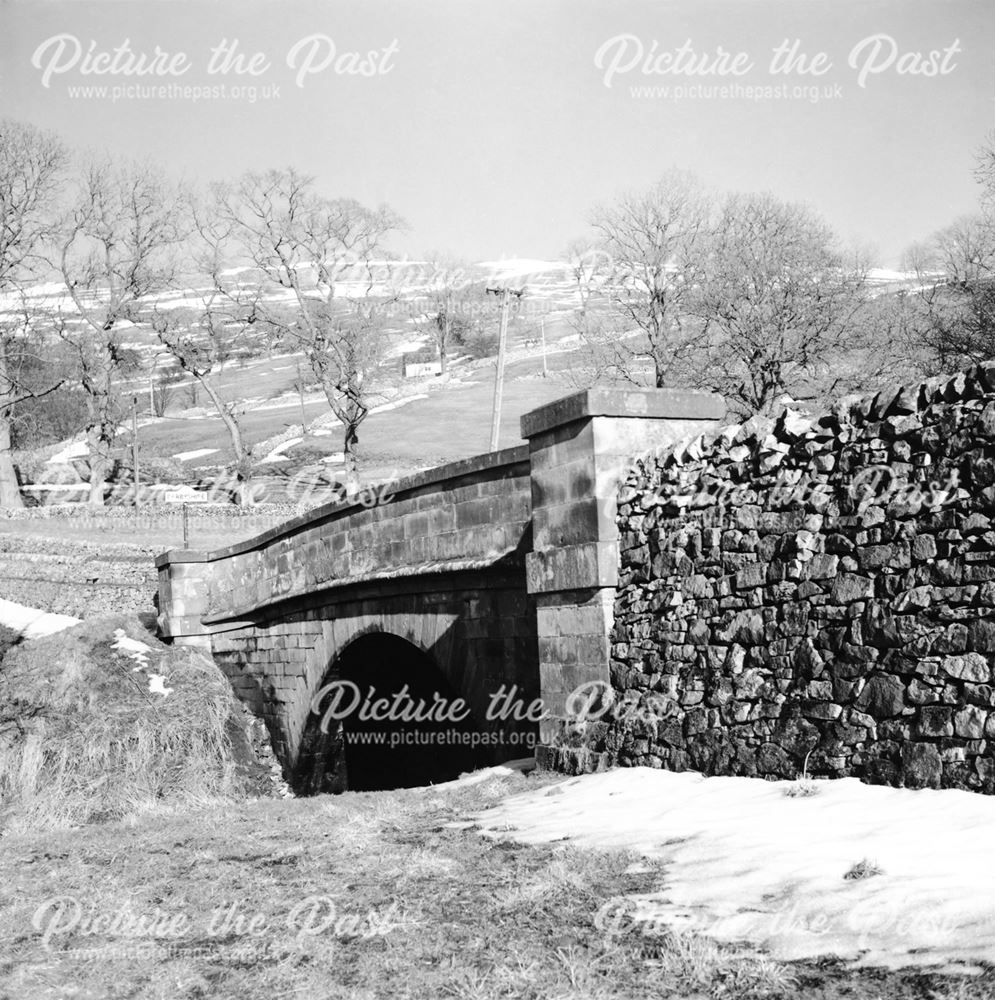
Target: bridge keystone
{"type": "Point", "coordinates": [580, 447]}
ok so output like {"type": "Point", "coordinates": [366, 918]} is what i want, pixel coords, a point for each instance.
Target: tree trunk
{"type": "Point", "coordinates": [444, 346]}
{"type": "Point", "coordinates": [243, 456]}
{"type": "Point", "coordinates": [10, 492]}
{"type": "Point", "coordinates": [244, 496]}
{"type": "Point", "coordinates": [98, 466]}
{"type": "Point", "coordinates": [349, 454]}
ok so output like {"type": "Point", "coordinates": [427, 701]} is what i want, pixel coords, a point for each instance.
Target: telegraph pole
{"type": "Point", "coordinates": [506, 294]}
{"type": "Point", "coordinates": [134, 445]}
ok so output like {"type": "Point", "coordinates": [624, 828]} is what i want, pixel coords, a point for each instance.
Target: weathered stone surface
{"type": "Point", "coordinates": [969, 722]}
{"type": "Point", "coordinates": [882, 697]}
{"type": "Point", "coordinates": [922, 766]}
{"type": "Point", "coordinates": [854, 587]}
{"type": "Point", "coordinates": [849, 587]}
{"type": "Point", "coordinates": [972, 667]}
{"type": "Point", "coordinates": [936, 720]}
{"type": "Point", "coordinates": [981, 635]}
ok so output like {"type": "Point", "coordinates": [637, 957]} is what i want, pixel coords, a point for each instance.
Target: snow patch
{"type": "Point", "coordinates": [185, 456]}
{"type": "Point", "coordinates": [157, 685]}
{"type": "Point", "coordinates": [746, 862]}
{"type": "Point", "coordinates": [77, 449]}
{"type": "Point", "coordinates": [139, 652]}
{"type": "Point", "coordinates": [384, 407]}
{"type": "Point", "coordinates": [505, 770]}
{"type": "Point", "coordinates": [32, 623]}
{"type": "Point", "coordinates": [131, 648]}
{"type": "Point", "coordinates": [276, 455]}
{"type": "Point", "coordinates": [55, 487]}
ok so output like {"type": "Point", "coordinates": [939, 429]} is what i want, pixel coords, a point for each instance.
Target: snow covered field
{"type": "Point", "coordinates": [32, 623]}
{"type": "Point", "coordinates": [745, 862]}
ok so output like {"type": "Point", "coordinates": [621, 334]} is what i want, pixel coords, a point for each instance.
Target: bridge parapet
{"type": "Point", "coordinates": [466, 515]}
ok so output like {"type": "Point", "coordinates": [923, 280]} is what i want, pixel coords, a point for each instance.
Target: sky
{"type": "Point", "coordinates": [495, 128]}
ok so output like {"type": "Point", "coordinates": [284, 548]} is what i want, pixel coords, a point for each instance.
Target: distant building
{"type": "Point", "coordinates": [416, 364]}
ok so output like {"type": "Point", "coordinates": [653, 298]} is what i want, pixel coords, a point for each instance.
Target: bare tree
{"type": "Point", "coordinates": [777, 299]}
{"type": "Point", "coordinates": [984, 169]}
{"type": "Point", "coordinates": [954, 319]}
{"type": "Point", "coordinates": [116, 248]}
{"type": "Point", "coordinates": [164, 389]}
{"type": "Point", "coordinates": [200, 341]}
{"type": "Point", "coordinates": [32, 164]}
{"type": "Point", "coordinates": [316, 248]}
{"type": "Point", "coordinates": [586, 264]}
{"type": "Point", "coordinates": [648, 264]}
{"type": "Point", "coordinates": [204, 338]}
{"type": "Point", "coordinates": [450, 315]}
{"type": "Point", "coordinates": [605, 354]}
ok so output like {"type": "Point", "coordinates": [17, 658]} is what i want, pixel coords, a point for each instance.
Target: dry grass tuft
{"type": "Point", "coordinates": [863, 869]}
{"type": "Point", "coordinates": [83, 739]}
{"type": "Point", "coordinates": [803, 788]}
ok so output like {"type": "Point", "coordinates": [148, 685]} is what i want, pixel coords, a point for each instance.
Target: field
{"type": "Point", "coordinates": [367, 896]}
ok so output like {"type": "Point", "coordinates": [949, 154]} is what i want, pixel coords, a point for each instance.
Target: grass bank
{"type": "Point", "coordinates": [363, 896]}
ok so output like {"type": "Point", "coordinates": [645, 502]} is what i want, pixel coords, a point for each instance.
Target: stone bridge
{"type": "Point", "coordinates": [474, 591]}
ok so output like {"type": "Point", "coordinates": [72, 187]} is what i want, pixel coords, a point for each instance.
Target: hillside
{"type": "Point", "coordinates": [414, 422]}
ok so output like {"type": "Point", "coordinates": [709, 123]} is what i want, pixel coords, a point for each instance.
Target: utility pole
{"type": "Point", "coordinates": [155, 361]}
{"type": "Point", "coordinates": [542, 336]}
{"type": "Point", "coordinates": [506, 294]}
{"type": "Point", "coordinates": [300, 393]}
{"type": "Point", "coordinates": [134, 446]}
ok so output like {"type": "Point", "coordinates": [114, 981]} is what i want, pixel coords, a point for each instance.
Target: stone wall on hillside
{"type": "Point", "coordinates": [814, 591]}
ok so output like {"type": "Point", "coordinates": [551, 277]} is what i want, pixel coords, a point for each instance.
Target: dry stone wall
{"type": "Point", "coordinates": [816, 591]}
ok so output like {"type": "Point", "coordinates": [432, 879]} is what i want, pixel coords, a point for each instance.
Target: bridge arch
{"type": "Point", "coordinates": [386, 716]}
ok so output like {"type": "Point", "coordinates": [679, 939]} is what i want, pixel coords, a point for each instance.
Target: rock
{"type": "Point", "coordinates": [981, 635]}
{"type": "Point", "coordinates": [883, 697]}
{"type": "Point", "coordinates": [792, 425]}
{"type": "Point", "coordinates": [848, 587]}
{"type": "Point", "coordinates": [771, 759]}
{"type": "Point", "coordinates": [735, 659]}
{"type": "Point", "coordinates": [754, 575]}
{"type": "Point", "coordinates": [745, 628]}
{"type": "Point", "coordinates": [915, 599]}
{"type": "Point", "coordinates": [823, 567]}
{"type": "Point", "coordinates": [936, 720]}
{"type": "Point", "coordinates": [821, 710]}
{"type": "Point", "coordinates": [954, 639]}
{"type": "Point", "coordinates": [749, 684]}
{"type": "Point", "coordinates": [879, 627]}
{"type": "Point", "coordinates": [922, 766]}
{"type": "Point", "coordinates": [976, 524]}
{"type": "Point", "coordinates": [968, 667]}
{"type": "Point", "coordinates": [986, 421]}
{"type": "Point", "coordinates": [969, 722]}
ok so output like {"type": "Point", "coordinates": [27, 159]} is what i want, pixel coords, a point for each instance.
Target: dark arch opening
{"type": "Point", "coordinates": [415, 741]}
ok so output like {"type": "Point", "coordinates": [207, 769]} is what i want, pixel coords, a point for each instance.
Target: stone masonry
{"type": "Point", "coordinates": [501, 568]}
{"type": "Point", "coordinates": [814, 592]}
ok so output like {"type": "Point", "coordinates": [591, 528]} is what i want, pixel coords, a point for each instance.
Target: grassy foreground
{"type": "Point", "coordinates": [361, 896]}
